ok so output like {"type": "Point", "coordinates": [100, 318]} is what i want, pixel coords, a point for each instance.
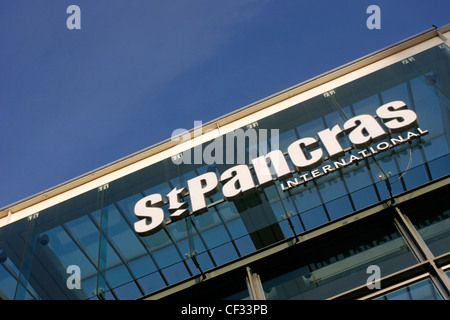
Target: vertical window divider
{"type": "Point", "coordinates": [422, 252]}
{"type": "Point", "coordinates": [254, 285]}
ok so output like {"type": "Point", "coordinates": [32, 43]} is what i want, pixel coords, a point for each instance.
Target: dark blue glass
{"type": "Point", "coordinates": [176, 272]}
{"type": "Point", "coordinates": [152, 282]}
{"type": "Point", "coordinates": [224, 253]}
{"type": "Point", "coordinates": [364, 197]}
{"type": "Point", "coordinates": [421, 290]}
{"type": "Point", "coordinates": [128, 291]}
{"type": "Point", "coordinates": [339, 207]}
{"type": "Point", "coordinates": [439, 167]}
{"type": "Point", "coordinates": [314, 217]}
{"type": "Point", "coordinates": [245, 245]}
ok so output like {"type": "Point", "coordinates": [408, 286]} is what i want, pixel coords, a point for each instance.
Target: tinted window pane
{"type": "Point", "coordinates": [422, 290]}
{"type": "Point", "coordinates": [341, 264]}
{"type": "Point", "coordinates": [431, 217]}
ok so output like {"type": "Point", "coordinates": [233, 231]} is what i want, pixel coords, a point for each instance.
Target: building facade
{"type": "Point", "coordinates": [337, 188]}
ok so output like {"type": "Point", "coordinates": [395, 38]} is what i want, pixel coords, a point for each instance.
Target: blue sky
{"type": "Point", "coordinates": [72, 101]}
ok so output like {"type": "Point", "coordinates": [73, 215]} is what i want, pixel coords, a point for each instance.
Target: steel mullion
{"type": "Point", "coordinates": [85, 252]}
{"type": "Point", "coordinates": [142, 242]}
{"type": "Point", "coordinates": [423, 253]}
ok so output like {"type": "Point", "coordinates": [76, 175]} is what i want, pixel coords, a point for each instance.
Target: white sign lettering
{"type": "Point", "coordinates": [307, 154]}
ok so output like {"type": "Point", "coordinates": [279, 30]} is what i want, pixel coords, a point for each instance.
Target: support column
{"type": "Point", "coordinates": [254, 286]}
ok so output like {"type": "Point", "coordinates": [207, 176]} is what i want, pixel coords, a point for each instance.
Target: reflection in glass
{"type": "Point", "coordinates": [432, 220]}
{"type": "Point", "coordinates": [339, 207]}
{"type": "Point", "coordinates": [421, 290]}
{"type": "Point", "coordinates": [341, 264]}
{"type": "Point", "coordinates": [364, 197]}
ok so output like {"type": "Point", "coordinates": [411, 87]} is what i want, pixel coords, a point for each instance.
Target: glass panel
{"type": "Point", "coordinates": [341, 263]}
{"type": "Point", "coordinates": [152, 282]}
{"type": "Point", "coordinates": [242, 295]}
{"type": "Point", "coordinates": [167, 256]}
{"type": "Point", "coordinates": [191, 246]}
{"type": "Point", "coordinates": [331, 187]}
{"type": "Point", "coordinates": [176, 272]}
{"type": "Point", "coordinates": [439, 167]}
{"type": "Point", "coordinates": [245, 245]}
{"type": "Point", "coordinates": [307, 199]}
{"type": "Point", "coordinates": [224, 253]}
{"type": "Point", "coordinates": [142, 265]}
{"type": "Point", "coordinates": [311, 128]}
{"type": "Point", "coordinates": [128, 291]}
{"type": "Point", "coordinates": [431, 217]}
{"type": "Point", "coordinates": [286, 138]}
{"type": "Point", "coordinates": [339, 207]}
{"type": "Point", "coordinates": [358, 177]}
{"type": "Point", "coordinates": [237, 228]}
{"type": "Point", "coordinates": [38, 250]}
{"type": "Point", "coordinates": [367, 105]}
{"type": "Point", "coordinates": [314, 217]}
{"type": "Point", "coordinates": [21, 255]}
{"type": "Point", "coordinates": [204, 263]}
{"type": "Point", "coordinates": [291, 226]}
{"type": "Point", "coordinates": [421, 290]}
{"type": "Point", "coordinates": [8, 277]}
{"type": "Point", "coordinates": [364, 197]}
{"type": "Point", "coordinates": [415, 177]}
{"type": "Point", "coordinates": [216, 236]}
{"type": "Point", "coordinates": [399, 92]}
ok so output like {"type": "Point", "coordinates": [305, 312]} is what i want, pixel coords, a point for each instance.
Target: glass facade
{"type": "Point", "coordinates": [343, 260]}
{"type": "Point", "coordinates": [341, 265]}
{"type": "Point", "coordinates": [421, 290]}
{"type": "Point", "coordinates": [94, 231]}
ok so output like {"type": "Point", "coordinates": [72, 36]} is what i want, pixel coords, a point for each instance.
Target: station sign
{"type": "Point", "coordinates": [368, 135]}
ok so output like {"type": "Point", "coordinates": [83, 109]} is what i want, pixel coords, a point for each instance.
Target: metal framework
{"type": "Point", "coordinates": [428, 266]}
